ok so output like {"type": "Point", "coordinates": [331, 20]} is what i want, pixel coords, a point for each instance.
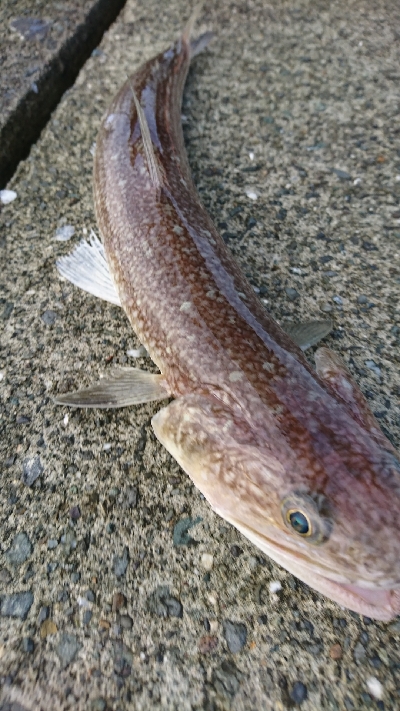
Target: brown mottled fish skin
{"type": "Point", "coordinates": [254, 425]}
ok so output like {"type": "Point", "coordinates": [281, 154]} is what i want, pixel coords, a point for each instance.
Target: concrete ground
{"type": "Point", "coordinates": [120, 589]}
{"type": "Point", "coordinates": [42, 47]}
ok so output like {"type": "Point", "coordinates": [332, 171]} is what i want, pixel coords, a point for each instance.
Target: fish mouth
{"type": "Point", "coordinates": [378, 603]}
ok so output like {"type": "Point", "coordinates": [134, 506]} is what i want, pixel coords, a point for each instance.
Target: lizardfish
{"type": "Point", "coordinates": [290, 456]}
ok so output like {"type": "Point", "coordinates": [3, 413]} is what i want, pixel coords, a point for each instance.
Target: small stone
{"type": "Point", "coordinates": [68, 542]}
{"type": "Point", "coordinates": [75, 578]}
{"type": "Point", "coordinates": [67, 649]}
{"type": "Point", "coordinates": [121, 563]}
{"type": "Point", "coordinates": [375, 687]}
{"type": "Point", "coordinates": [362, 299]}
{"type": "Point", "coordinates": [47, 628]}
{"type": "Point", "coordinates": [338, 300]}
{"type": "Point", "coordinates": [118, 601]}
{"type": "Point", "coordinates": [292, 294]}
{"type": "Point", "coordinates": [373, 366]}
{"type": "Point", "coordinates": [28, 645]}
{"type": "Point", "coordinates": [86, 617]}
{"type": "Point", "coordinates": [207, 561]}
{"type": "Point", "coordinates": [369, 246]}
{"type": "Point", "coordinates": [275, 586]}
{"type": "Point", "coordinates": [235, 634]}
{"type": "Point", "coordinates": [336, 652]}
{"type": "Point", "coordinates": [236, 551]}
{"type": "Point", "coordinates": [226, 679]}
{"type": "Point", "coordinates": [326, 308]}
{"type": "Point", "coordinates": [64, 233]}
{"type": "Point", "coordinates": [20, 549]}
{"type": "Point", "coordinates": [126, 622]}
{"type": "Point", "coordinates": [104, 624]}
{"type": "Point", "coordinates": [23, 419]}
{"type": "Point", "coordinates": [16, 605]}
{"type": "Point", "coordinates": [181, 536]}
{"type": "Point", "coordinates": [341, 174]}
{"type": "Point", "coordinates": [48, 317]}
{"type": "Point", "coordinates": [214, 624]}
{"type": "Point", "coordinates": [207, 644]}
{"type": "Point", "coordinates": [5, 576]}
{"type": "Point", "coordinates": [252, 194]}
{"type": "Point", "coordinates": [43, 615]}
{"type": "Point", "coordinates": [89, 595]}
{"type": "Point", "coordinates": [163, 604]}
{"type": "Point", "coordinates": [298, 693]}
{"type": "Point", "coordinates": [52, 543]}
{"type": "Point", "coordinates": [98, 704]}
{"type": "Point", "coordinates": [75, 513]}
{"type": "Point", "coordinates": [359, 652]}
{"type": "Point", "coordinates": [7, 196]}
{"type": "Point", "coordinates": [130, 497]}
{"type": "Point", "coordinates": [32, 468]}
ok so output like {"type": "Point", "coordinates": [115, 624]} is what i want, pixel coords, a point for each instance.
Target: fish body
{"type": "Point", "coordinates": [290, 456]}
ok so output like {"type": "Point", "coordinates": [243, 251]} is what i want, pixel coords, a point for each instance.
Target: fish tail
{"type": "Point", "coordinates": [196, 45]}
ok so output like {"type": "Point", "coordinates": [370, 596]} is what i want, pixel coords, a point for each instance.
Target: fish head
{"type": "Point", "coordinates": [324, 503]}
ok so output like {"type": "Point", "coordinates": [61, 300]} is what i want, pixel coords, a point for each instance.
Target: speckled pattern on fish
{"type": "Point", "coordinates": [292, 457]}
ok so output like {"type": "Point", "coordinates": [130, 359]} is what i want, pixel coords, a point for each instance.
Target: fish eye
{"type": "Point", "coordinates": [307, 516]}
{"type": "Point", "coordinates": [299, 522]}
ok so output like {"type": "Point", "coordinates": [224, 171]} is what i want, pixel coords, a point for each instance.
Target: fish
{"type": "Point", "coordinates": [289, 454]}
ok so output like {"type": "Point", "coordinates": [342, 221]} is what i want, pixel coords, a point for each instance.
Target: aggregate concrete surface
{"type": "Point", "coordinates": [120, 589]}
{"type": "Point", "coordinates": [42, 47]}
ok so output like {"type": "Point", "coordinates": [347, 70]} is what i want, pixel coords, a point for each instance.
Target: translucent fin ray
{"type": "Point", "coordinates": [121, 388]}
{"type": "Point", "coordinates": [87, 268]}
{"type": "Point", "coordinates": [309, 333]}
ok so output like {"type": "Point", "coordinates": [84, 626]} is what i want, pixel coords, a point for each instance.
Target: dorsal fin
{"type": "Point", "coordinates": [152, 164]}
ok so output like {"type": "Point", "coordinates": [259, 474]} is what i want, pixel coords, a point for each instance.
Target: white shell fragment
{"type": "Point", "coordinates": [251, 194]}
{"type": "Point", "coordinates": [275, 586]}
{"type": "Point", "coordinates": [64, 233]}
{"type": "Point", "coordinates": [7, 196]}
{"type": "Point", "coordinates": [207, 561]}
{"type": "Point", "coordinates": [375, 687]}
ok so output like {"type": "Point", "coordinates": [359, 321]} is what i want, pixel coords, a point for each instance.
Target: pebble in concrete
{"type": "Point", "coordinates": [121, 563]}
{"type": "Point", "coordinates": [16, 604]}
{"type": "Point", "coordinates": [32, 469]}
{"type": "Point", "coordinates": [67, 649]}
{"type": "Point", "coordinates": [20, 549]}
{"type": "Point", "coordinates": [235, 634]}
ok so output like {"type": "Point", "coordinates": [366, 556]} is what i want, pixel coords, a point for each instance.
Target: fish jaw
{"type": "Point", "coordinates": [377, 603]}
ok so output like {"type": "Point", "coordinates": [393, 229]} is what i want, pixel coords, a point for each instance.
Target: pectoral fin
{"type": "Point", "coordinates": [87, 268]}
{"type": "Point", "coordinates": [309, 333]}
{"type": "Point", "coordinates": [331, 368]}
{"type": "Point", "coordinates": [123, 387]}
